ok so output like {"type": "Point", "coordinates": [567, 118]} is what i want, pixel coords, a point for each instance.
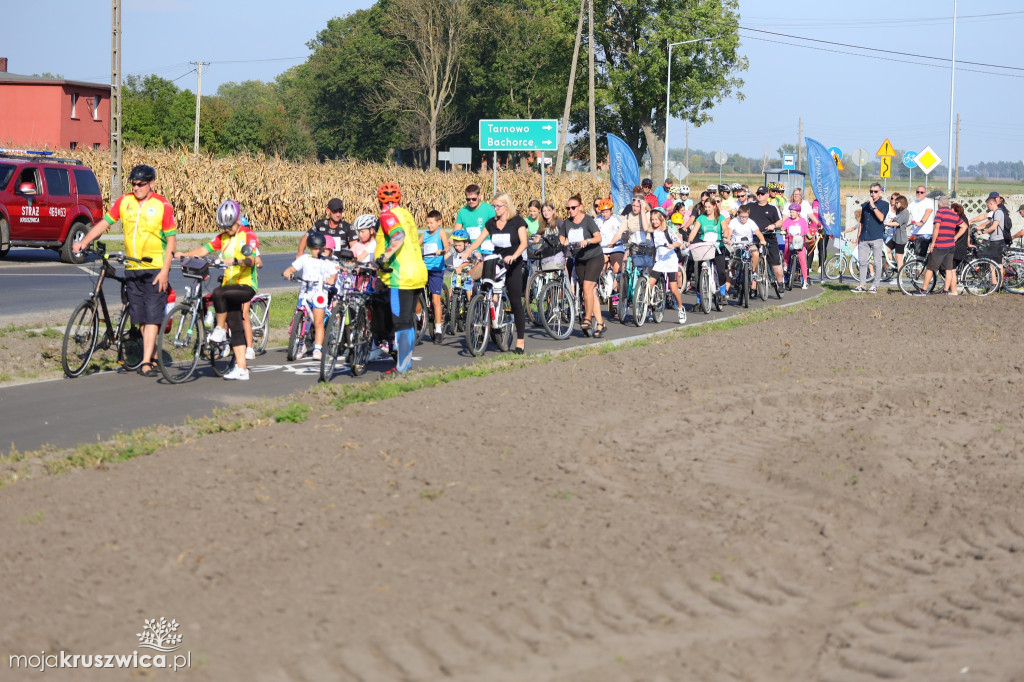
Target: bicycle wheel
{"type": "Point", "coordinates": [834, 267]}
{"type": "Point", "coordinates": [80, 338]}
{"type": "Point", "coordinates": [258, 311]}
{"type": "Point", "coordinates": [790, 271]}
{"type": "Point", "coordinates": [333, 335]}
{"type": "Point", "coordinates": [1013, 276]}
{"type": "Point", "coordinates": [745, 285]}
{"type": "Point", "coordinates": [362, 338]}
{"type": "Point", "coordinates": [704, 290]}
{"type": "Point", "coordinates": [296, 334]}
{"type": "Point", "coordinates": [557, 309]}
{"type": "Point", "coordinates": [478, 325]}
{"type": "Point", "coordinates": [641, 301]}
{"type": "Point", "coordinates": [178, 343]}
{"type": "Point", "coordinates": [129, 343]}
{"type": "Point", "coordinates": [532, 293]}
{"type": "Point", "coordinates": [423, 317]}
{"type": "Point", "coordinates": [982, 277]}
{"type": "Point", "coordinates": [504, 332]}
{"type": "Point", "coordinates": [887, 270]}
{"type": "Point", "coordinates": [911, 276]}
{"type": "Point", "coordinates": [623, 306]}
{"type": "Point", "coordinates": [762, 279]}
{"type": "Point", "coordinates": [658, 302]}
{"type": "Point", "coordinates": [222, 359]}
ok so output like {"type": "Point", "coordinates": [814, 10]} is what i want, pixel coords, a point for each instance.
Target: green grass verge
{"type": "Point", "coordinates": [15, 465]}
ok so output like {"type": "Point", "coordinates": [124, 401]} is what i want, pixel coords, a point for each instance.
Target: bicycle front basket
{"type": "Point", "coordinates": [197, 268]}
{"type": "Point", "coordinates": [700, 251]}
{"type": "Point", "coordinates": [553, 263]}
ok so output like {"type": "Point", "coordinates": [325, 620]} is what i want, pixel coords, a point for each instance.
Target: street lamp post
{"type": "Point", "coordinates": [952, 80]}
{"type": "Point", "coordinates": [668, 95]}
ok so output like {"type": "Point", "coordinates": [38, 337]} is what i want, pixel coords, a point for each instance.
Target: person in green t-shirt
{"type": "Point", "coordinates": [713, 227]}
{"type": "Point", "coordinates": [474, 215]}
{"type": "Point", "coordinates": [532, 217]}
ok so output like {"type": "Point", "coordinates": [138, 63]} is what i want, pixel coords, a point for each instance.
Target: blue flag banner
{"type": "Point", "coordinates": [624, 171]}
{"type": "Point", "coordinates": [825, 183]}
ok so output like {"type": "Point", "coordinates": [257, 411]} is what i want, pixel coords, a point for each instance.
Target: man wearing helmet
{"type": "Point", "coordinates": [645, 186]}
{"type": "Point", "coordinates": [239, 283]}
{"type": "Point", "coordinates": [333, 225]}
{"type": "Point", "coordinates": [398, 250]}
{"type": "Point", "coordinates": [147, 220]}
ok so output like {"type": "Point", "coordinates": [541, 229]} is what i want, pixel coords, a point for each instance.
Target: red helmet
{"type": "Point", "coordinates": [389, 193]}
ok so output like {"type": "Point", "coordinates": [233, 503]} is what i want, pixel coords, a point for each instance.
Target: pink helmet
{"type": "Point", "coordinates": [330, 242]}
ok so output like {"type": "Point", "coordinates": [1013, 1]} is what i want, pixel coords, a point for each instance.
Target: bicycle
{"type": "Point", "coordinates": [457, 303]}
{"type": "Point", "coordinates": [649, 299]}
{"type": "Point", "coordinates": [82, 337]}
{"type": "Point", "coordinates": [259, 315]}
{"type": "Point", "coordinates": [182, 339]}
{"type": "Point", "coordinates": [978, 275]}
{"type": "Point", "coordinates": [740, 269]}
{"type": "Point", "coordinates": [1013, 271]}
{"type": "Point", "coordinates": [548, 248]}
{"type": "Point", "coordinates": [707, 277]}
{"type": "Point", "coordinates": [847, 260]}
{"type": "Point", "coordinates": [638, 262]}
{"type": "Point", "coordinates": [301, 331]}
{"type": "Point", "coordinates": [556, 304]}
{"type": "Point", "coordinates": [347, 332]}
{"type": "Point", "coordinates": [485, 312]}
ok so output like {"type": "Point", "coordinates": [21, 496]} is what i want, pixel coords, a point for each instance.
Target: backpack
{"type": "Point", "coordinates": [1007, 225]}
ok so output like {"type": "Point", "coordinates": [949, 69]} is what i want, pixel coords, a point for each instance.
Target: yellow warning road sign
{"type": "Point", "coordinates": [886, 150]}
{"type": "Point", "coordinates": [885, 163]}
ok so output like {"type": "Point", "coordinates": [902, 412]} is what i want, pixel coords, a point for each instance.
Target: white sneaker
{"type": "Point", "coordinates": [250, 354]}
{"type": "Point", "coordinates": [682, 316]}
{"type": "Point", "coordinates": [317, 354]}
{"type": "Point", "coordinates": [218, 335]}
{"type": "Point", "coordinates": [804, 286]}
{"type": "Point", "coordinates": [237, 374]}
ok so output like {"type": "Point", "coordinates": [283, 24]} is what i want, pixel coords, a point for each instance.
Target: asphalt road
{"type": "Point", "coordinates": [35, 284]}
{"type": "Point", "coordinates": [66, 412]}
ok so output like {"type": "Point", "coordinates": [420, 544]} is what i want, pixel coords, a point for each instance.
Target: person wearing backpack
{"type": "Point", "coordinates": [994, 229]}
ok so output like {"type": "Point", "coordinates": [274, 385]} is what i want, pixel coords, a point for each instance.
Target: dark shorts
{"type": "Point", "coordinates": [435, 281]}
{"type": "Point", "coordinates": [771, 250]}
{"type": "Point", "coordinates": [896, 248]}
{"type": "Point", "coordinates": [590, 270]}
{"type": "Point", "coordinates": [146, 304]}
{"type": "Point", "coordinates": [994, 250]}
{"type": "Point", "coordinates": [403, 308]}
{"type": "Point", "coordinates": [940, 258]}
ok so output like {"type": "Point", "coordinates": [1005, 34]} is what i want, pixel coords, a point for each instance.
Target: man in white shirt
{"type": "Point", "coordinates": [922, 217]}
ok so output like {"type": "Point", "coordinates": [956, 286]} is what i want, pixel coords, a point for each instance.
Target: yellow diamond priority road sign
{"type": "Point", "coordinates": [927, 160]}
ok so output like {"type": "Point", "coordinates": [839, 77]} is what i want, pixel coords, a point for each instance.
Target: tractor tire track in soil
{"type": "Point", "coordinates": [832, 495]}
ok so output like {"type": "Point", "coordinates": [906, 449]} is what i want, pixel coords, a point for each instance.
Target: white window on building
{"type": "Point", "coordinates": [74, 104]}
{"type": "Point", "coordinates": [95, 107]}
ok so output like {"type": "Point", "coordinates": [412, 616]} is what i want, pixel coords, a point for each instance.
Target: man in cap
{"type": "Point", "coordinates": [334, 226]}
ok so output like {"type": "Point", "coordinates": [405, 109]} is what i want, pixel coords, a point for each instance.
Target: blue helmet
{"type": "Point", "coordinates": [460, 236]}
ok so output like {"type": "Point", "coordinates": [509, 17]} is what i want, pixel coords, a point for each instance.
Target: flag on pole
{"type": "Point", "coordinates": [825, 183]}
{"type": "Point", "coordinates": [624, 171]}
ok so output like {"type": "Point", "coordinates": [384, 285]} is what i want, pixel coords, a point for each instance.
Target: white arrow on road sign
{"type": "Point", "coordinates": [546, 142]}
{"type": "Point", "coordinates": [548, 127]}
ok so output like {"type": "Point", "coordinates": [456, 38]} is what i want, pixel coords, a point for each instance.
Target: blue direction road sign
{"type": "Point", "coordinates": [909, 159]}
{"type": "Point", "coordinates": [509, 135]}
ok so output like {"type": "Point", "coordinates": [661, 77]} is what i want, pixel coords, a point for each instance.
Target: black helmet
{"type": "Point", "coordinates": [647, 182]}
{"type": "Point", "coordinates": [142, 173]}
{"type": "Point", "coordinates": [316, 239]}
{"type": "Point", "coordinates": [723, 189]}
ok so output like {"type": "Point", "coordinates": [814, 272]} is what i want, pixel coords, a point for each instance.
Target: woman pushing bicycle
{"type": "Point", "coordinates": [239, 283]}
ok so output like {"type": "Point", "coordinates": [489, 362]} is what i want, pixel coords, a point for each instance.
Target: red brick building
{"type": "Point", "coordinates": [43, 113]}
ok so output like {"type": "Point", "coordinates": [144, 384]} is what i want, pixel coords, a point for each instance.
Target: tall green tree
{"type": "Point", "coordinates": [632, 38]}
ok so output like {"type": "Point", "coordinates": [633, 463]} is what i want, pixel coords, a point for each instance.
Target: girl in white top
{"type": "Point", "coordinates": [666, 262]}
{"type": "Point", "coordinates": [612, 229]}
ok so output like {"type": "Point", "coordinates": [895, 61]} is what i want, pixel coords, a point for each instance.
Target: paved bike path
{"type": "Point", "coordinates": [66, 412]}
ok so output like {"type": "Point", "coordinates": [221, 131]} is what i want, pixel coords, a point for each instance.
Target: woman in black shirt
{"type": "Point", "coordinates": [509, 235]}
{"type": "Point", "coordinates": [583, 236]}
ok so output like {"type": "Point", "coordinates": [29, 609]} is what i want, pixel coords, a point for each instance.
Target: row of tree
{"type": "Point", "coordinates": [405, 77]}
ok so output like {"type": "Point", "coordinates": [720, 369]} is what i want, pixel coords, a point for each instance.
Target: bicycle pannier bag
{"type": "Point", "coordinates": [196, 267]}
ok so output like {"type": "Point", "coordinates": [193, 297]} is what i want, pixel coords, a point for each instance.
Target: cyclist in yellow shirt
{"type": "Point", "coordinates": [149, 232]}
{"type": "Point", "coordinates": [398, 249]}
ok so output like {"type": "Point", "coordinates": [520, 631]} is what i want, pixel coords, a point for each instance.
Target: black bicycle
{"type": "Point", "coordinates": [347, 334]}
{"type": "Point", "coordinates": [82, 336]}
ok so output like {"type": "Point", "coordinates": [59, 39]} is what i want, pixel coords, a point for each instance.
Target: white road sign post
{"type": "Point", "coordinates": [720, 159]}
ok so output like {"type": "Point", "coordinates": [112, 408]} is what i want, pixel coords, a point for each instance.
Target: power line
{"type": "Point", "coordinates": [876, 49]}
{"type": "Point", "coordinates": [807, 23]}
{"type": "Point", "coordinates": [251, 61]}
{"type": "Point", "coordinates": [887, 59]}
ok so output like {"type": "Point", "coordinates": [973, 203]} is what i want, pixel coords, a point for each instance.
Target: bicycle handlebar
{"type": "Point", "coordinates": [119, 256]}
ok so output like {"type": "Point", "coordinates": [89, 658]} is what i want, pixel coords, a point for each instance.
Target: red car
{"type": "Point", "coordinates": [46, 202]}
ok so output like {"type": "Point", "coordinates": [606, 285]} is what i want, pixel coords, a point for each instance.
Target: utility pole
{"type": "Point", "coordinates": [687, 147]}
{"type": "Point", "coordinates": [116, 181]}
{"type": "Point", "coordinates": [564, 134]}
{"type": "Point", "coordinates": [956, 162]}
{"type": "Point", "coordinates": [199, 100]}
{"type": "Point", "coordinates": [590, 100]}
{"type": "Point", "coordinates": [799, 135]}
{"type": "Point", "coordinates": [952, 80]}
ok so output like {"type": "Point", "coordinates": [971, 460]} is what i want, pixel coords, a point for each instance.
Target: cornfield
{"type": "Point", "coordinates": [287, 195]}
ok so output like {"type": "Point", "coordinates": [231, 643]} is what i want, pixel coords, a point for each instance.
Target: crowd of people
{"type": "Point", "coordinates": [490, 240]}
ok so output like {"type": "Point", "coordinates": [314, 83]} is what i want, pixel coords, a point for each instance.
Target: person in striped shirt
{"type": "Point", "coordinates": [940, 251]}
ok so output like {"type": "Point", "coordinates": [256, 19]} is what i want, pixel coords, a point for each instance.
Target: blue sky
{"type": "Point", "coordinates": [844, 100]}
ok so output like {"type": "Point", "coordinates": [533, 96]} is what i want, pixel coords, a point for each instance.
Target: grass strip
{"type": "Point", "coordinates": [15, 465]}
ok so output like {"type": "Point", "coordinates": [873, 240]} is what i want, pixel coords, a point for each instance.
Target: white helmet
{"type": "Point", "coordinates": [685, 189]}
{"type": "Point", "coordinates": [366, 221]}
{"type": "Point", "coordinates": [713, 188]}
{"type": "Point", "coordinates": [228, 212]}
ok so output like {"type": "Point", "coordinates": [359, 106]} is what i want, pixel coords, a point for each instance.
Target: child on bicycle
{"type": "Point", "coordinates": [366, 231]}
{"type": "Point", "coordinates": [434, 243]}
{"type": "Point", "coordinates": [796, 230]}
{"type": "Point", "coordinates": [460, 263]}
{"type": "Point", "coordinates": [319, 274]}
{"type": "Point", "coordinates": [666, 264]}
{"type": "Point", "coordinates": [746, 231]}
